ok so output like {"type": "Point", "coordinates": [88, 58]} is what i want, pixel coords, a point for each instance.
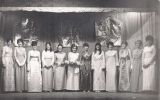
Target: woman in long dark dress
{"type": "Point", "coordinates": [85, 69]}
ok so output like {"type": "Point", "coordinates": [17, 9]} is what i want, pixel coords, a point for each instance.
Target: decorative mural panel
{"type": "Point", "coordinates": [109, 29]}
{"type": "Point", "coordinates": [26, 30]}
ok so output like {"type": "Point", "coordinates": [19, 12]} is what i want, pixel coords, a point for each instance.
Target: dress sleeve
{"type": "Point", "coordinates": [153, 55]}
{"type": "Point", "coordinates": [43, 61]}
{"type": "Point", "coordinates": [28, 60]}
{"type": "Point", "coordinates": [3, 55]}
{"type": "Point", "coordinates": [53, 58]}
{"type": "Point", "coordinates": [25, 56]}
{"type": "Point", "coordinates": [116, 58]}
{"type": "Point", "coordinates": [103, 60]}
{"type": "Point", "coordinates": [92, 61]}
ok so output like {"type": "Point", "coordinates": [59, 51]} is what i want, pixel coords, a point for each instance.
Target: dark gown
{"type": "Point", "coordinates": [85, 72]}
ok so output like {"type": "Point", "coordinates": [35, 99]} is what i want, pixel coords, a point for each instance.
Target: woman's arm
{"type": "Point", "coordinates": [43, 60]}
{"type": "Point", "coordinates": [103, 61]}
{"type": "Point", "coordinates": [116, 58]}
{"type": "Point", "coordinates": [153, 55]}
{"type": "Point", "coordinates": [39, 57]}
{"type": "Point", "coordinates": [3, 55]}
{"type": "Point", "coordinates": [92, 61]}
{"type": "Point", "coordinates": [25, 57]}
{"type": "Point", "coordinates": [16, 58]}
{"type": "Point", "coordinates": [28, 60]}
{"type": "Point", "coordinates": [53, 58]}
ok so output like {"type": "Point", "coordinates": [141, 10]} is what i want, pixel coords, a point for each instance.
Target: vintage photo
{"type": "Point", "coordinates": [80, 49]}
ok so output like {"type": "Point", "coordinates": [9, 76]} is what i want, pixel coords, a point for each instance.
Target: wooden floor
{"type": "Point", "coordinates": [78, 96]}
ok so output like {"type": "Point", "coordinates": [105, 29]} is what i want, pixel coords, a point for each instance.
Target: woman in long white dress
{"type": "Point", "coordinates": [111, 57]}
{"type": "Point", "coordinates": [125, 67]}
{"type": "Point", "coordinates": [20, 66]}
{"type": "Point", "coordinates": [60, 75]}
{"type": "Point", "coordinates": [34, 69]}
{"type": "Point", "coordinates": [8, 68]}
{"type": "Point", "coordinates": [47, 68]}
{"type": "Point", "coordinates": [73, 69]}
{"type": "Point", "coordinates": [148, 65]}
{"type": "Point", "coordinates": [98, 66]}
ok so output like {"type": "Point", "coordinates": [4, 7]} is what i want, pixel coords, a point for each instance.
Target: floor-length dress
{"type": "Point", "coordinates": [136, 74]}
{"type": "Point", "coordinates": [47, 70]}
{"type": "Point", "coordinates": [60, 75]}
{"type": "Point", "coordinates": [125, 67]}
{"type": "Point", "coordinates": [111, 57]}
{"type": "Point", "coordinates": [148, 58]}
{"type": "Point", "coordinates": [9, 76]}
{"type": "Point", "coordinates": [20, 66]}
{"type": "Point", "coordinates": [85, 72]}
{"type": "Point", "coordinates": [34, 74]}
{"type": "Point", "coordinates": [98, 64]}
{"type": "Point", "coordinates": [72, 82]}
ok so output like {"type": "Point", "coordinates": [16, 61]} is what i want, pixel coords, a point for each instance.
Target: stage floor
{"type": "Point", "coordinates": [78, 96]}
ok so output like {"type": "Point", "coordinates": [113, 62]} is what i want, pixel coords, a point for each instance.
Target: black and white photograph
{"type": "Point", "coordinates": [79, 49]}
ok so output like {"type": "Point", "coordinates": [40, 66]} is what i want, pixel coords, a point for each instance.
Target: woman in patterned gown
{"type": "Point", "coordinates": [111, 57]}
{"type": "Point", "coordinates": [73, 69]}
{"type": "Point", "coordinates": [47, 68]}
{"type": "Point", "coordinates": [149, 65]}
{"type": "Point", "coordinates": [136, 73]}
{"type": "Point", "coordinates": [8, 68]}
{"type": "Point", "coordinates": [98, 66]}
{"type": "Point", "coordinates": [60, 75]}
{"type": "Point", "coordinates": [125, 67]}
{"type": "Point", "coordinates": [20, 66]}
{"type": "Point", "coordinates": [34, 69]}
{"type": "Point", "coordinates": [85, 69]}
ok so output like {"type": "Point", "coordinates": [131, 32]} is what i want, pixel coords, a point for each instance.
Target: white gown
{"type": "Point", "coordinates": [34, 75]}
{"type": "Point", "coordinates": [9, 70]}
{"type": "Point", "coordinates": [111, 70]}
{"type": "Point", "coordinates": [98, 64]}
{"type": "Point", "coordinates": [73, 72]}
{"type": "Point", "coordinates": [148, 57]}
{"type": "Point", "coordinates": [59, 82]}
{"type": "Point", "coordinates": [47, 72]}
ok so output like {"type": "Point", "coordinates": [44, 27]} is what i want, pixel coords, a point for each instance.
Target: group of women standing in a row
{"type": "Point", "coordinates": [126, 70]}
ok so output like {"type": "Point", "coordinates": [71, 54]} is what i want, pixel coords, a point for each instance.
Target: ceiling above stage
{"type": "Point", "coordinates": [81, 3]}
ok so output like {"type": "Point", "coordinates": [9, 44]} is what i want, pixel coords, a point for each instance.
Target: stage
{"type": "Point", "coordinates": [78, 96]}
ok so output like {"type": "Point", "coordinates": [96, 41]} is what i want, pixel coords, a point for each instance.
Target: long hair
{"type": "Point", "coordinates": [100, 49]}
{"type": "Point", "coordinates": [46, 46]}
{"type": "Point", "coordinates": [72, 46]}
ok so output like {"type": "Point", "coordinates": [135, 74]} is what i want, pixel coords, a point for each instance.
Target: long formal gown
{"type": "Point", "coordinates": [47, 70]}
{"type": "Point", "coordinates": [9, 76]}
{"type": "Point", "coordinates": [21, 77]}
{"type": "Point", "coordinates": [136, 74]}
{"type": "Point", "coordinates": [34, 75]}
{"type": "Point", "coordinates": [111, 70]}
{"type": "Point", "coordinates": [60, 75]}
{"type": "Point", "coordinates": [125, 67]}
{"type": "Point", "coordinates": [98, 64]}
{"type": "Point", "coordinates": [148, 58]}
{"type": "Point", "coordinates": [85, 72]}
{"type": "Point", "coordinates": [73, 72]}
